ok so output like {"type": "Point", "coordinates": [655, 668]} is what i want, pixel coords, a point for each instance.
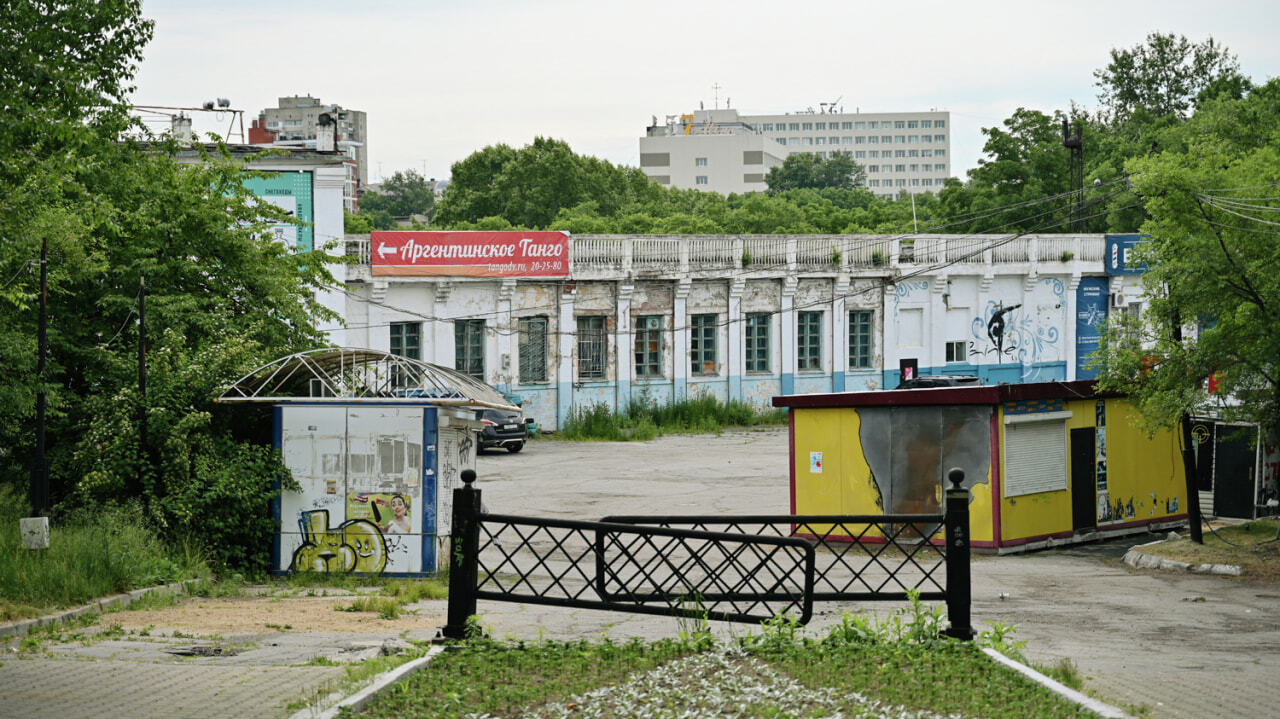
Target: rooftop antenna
{"type": "Point", "coordinates": [716, 87]}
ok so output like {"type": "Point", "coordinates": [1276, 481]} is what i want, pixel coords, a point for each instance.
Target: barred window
{"type": "Point", "coordinates": [532, 349]}
{"type": "Point", "coordinates": [649, 346]}
{"type": "Point", "coordinates": [468, 343]}
{"type": "Point", "coordinates": [809, 341]}
{"type": "Point", "coordinates": [757, 342]}
{"type": "Point", "coordinates": [702, 344]}
{"type": "Point", "coordinates": [591, 347]}
{"type": "Point", "coordinates": [860, 334]}
{"type": "Point", "coordinates": [406, 339]}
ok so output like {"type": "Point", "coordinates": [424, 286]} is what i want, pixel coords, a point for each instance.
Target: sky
{"type": "Point", "coordinates": [441, 80]}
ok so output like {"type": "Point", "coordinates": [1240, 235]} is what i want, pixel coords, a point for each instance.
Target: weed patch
{"type": "Point", "coordinates": [645, 420]}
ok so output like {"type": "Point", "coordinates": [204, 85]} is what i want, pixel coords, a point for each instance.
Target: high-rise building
{"type": "Point", "coordinates": [724, 151]}
{"type": "Point", "coordinates": [297, 118]}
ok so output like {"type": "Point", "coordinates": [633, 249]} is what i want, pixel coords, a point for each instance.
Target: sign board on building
{"type": "Point", "coordinates": [291, 192]}
{"type": "Point", "coordinates": [471, 254]}
{"type": "Point", "coordinates": [1091, 312]}
{"type": "Point", "coordinates": [1119, 259]}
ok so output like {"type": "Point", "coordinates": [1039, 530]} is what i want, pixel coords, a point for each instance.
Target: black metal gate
{"type": "Point", "coordinates": [730, 568]}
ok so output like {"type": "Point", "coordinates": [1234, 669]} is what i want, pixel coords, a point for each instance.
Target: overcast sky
{"type": "Point", "coordinates": [440, 80]}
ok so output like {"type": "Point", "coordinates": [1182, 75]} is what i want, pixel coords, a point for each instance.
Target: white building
{"type": "Point", "coordinates": [740, 317]}
{"type": "Point", "coordinates": [724, 151]}
{"type": "Point", "coordinates": [297, 118]}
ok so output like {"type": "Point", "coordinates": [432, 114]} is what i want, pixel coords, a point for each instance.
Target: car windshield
{"type": "Point", "coordinates": [497, 415]}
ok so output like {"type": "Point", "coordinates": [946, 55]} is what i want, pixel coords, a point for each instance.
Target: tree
{"type": "Point", "coordinates": [402, 195]}
{"type": "Point", "coordinates": [1165, 76]}
{"type": "Point", "coordinates": [809, 170]}
{"type": "Point", "coordinates": [221, 297]}
{"type": "Point", "coordinates": [1212, 254]}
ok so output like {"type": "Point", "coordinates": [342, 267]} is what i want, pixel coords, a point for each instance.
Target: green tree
{"type": "Point", "coordinates": [1212, 254]}
{"type": "Point", "coordinates": [401, 195]}
{"type": "Point", "coordinates": [221, 296]}
{"type": "Point", "coordinates": [1166, 76]}
{"type": "Point", "coordinates": [809, 170]}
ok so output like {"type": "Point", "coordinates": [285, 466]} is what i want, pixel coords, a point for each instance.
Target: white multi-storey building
{"type": "Point", "coordinates": [724, 151]}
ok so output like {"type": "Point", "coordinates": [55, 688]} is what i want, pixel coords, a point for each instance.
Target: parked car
{"type": "Point", "coordinates": [502, 428]}
{"type": "Point", "coordinates": [939, 380]}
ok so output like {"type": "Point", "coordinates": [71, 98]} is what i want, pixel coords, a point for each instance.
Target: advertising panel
{"type": "Point", "coordinates": [291, 192]}
{"type": "Point", "coordinates": [471, 254]}
{"type": "Point", "coordinates": [1119, 255]}
{"type": "Point", "coordinates": [1091, 312]}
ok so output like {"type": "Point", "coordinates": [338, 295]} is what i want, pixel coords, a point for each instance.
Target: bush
{"type": "Point", "coordinates": [645, 420]}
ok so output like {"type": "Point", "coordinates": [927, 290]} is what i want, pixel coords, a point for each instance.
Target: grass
{"type": "Point", "coordinates": [644, 420]}
{"type": "Point", "coordinates": [91, 554]}
{"type": "Point", "coordinates": [893, 667]}
{"type": "Point", "coordinates": [384, 607]}
{"type": "Point", "coordinates": [1252, 546]}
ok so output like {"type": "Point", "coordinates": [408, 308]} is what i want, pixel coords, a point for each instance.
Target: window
{"type": "Point", "coordinates": [820, 126]}
{"type": "Point", "coordinates": [532, 349]}
{"type": "Point", "coordinates": [915, 182]}
{"type": "Point", "coordinates": [806, 126]}
{"type": "Point", "coordinates": [939, 153]}
{"type": "Point", "coordinates": [858, 126]}
{"type": "Point", "coordinates": [591, 348]}
{"type": "Point", "coordinates": [899, 153]}
{"type": "Point", "coordinates": [939, 138]}
{"type": "Point", "coordinates": [700, 180]}
{"type": "Point", "coordinates": [912, 123]}
{"type": "Point", "coordinates": [820, 141]}
{"type": "Point", "coordinates": [793, 126]}
{"type": "Point", "coordinates": [899, 124]}
{"type": "Point", "coordinates": [873, 140]}
{"type": "Point", "coordinates": [859, 139]}
{"type": "Point", "coordinates": [782, 140]}
{"type": "Point", "coordinates": [757, 342]}
{"type": "Point", "coordinates": [793, 141]}
{"type": "Point", "coordinates": [900, 168]}
{"type": "Point", "coordinates": [809, 340]}
{"type": "Point", "coordinates": [833, 140]}
{"type": "Point", "coordinates": [875, 153]}
{"type": "Point", "coordinates": [468, 347]}
{"type": "Point", "coordinates": [700, 162]}
{"type": "Point", "coordinates": [939, 123]}
{"type": "Point", "coordinates": [913, 139]}
{"type": "Point", "coordinates": [926, 123]}
{"type": "Point", "coordinates": [940, 168]}
{"type": "Point", "coordinates": [808, 140]}
{"type": "Point", "coordinates": [860, 154]}
{"type": "Point", "coordinates": [926, 139]}
{"type": "Point", "coordinates": [926, 153]}
{"type": "Point", "coordinates": [873, 125]}
{"type": "Point", "coordinates": [848, 126]}
{"type": "Point", "coordinates": [860, 334]}
{"type": "Point", "coordinates": [846, 140]}
{"type": "Point", "coordinates": [901, 183]}
{"type": "Point", "coordinates": [873, 183]}
{"type": "Point", "coordinates": [913, 153]}
{"type": "Point", "coordinates": [702, 344]}
{"type": "Point", "coordinates": [914, 167]}
{"type": "Point", "coordinates": [767, 127]}
{"type": "Point", "coordinates": [886, 139]}
{"type": "Point", "coordinates": [649, 346]}
{"type": "Point", "coordinates": [900, 139]}
{"type": "Point", "coordinates": [406, 339]}
{"type": "Point", "coordinates": [927, 182]}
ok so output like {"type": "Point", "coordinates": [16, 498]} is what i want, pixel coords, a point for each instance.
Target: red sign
{"type": "Point", "coordinates": [471, 254]}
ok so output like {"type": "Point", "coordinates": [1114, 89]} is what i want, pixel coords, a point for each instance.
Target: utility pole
{"type": "Point", "coordinates": [39, 490]}
{"type": "Point", "coordinates": [142, 386]}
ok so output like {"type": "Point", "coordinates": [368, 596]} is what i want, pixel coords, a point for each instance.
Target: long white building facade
{"type": "Point", "coordinates": [613, 319]}
{"type": "Point", "coordinates": [724, 151]}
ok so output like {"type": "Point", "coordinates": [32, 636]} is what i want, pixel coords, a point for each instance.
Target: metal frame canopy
{"type": "Point", "coordinates": [343, 374]}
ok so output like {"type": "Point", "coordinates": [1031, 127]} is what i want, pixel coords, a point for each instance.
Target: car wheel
{"type": "Point", "coordinates": [513, 448]}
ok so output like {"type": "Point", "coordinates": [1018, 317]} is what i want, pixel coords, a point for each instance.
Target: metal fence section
{"type": "Point", "coordinates": [731, 568]}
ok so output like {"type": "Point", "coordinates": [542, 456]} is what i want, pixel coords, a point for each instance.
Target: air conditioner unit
{"type": "Point", "coordinates": [1118, 300]}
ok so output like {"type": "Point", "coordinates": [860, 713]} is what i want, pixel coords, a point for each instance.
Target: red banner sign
{"type": "Point", "coordinates": [471, 254]}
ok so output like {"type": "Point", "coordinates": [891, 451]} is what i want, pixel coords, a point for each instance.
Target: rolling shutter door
{"type": "Point", "coordinates": [1035, 456]}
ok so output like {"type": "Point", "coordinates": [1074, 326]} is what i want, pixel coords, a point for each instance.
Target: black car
{"type": "Point", "coordinates": [503, 429]}
{"type": "Point", "coordinates": [939, 380]}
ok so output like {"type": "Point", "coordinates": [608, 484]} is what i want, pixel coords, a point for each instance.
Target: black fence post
{"type": "Point", "coordinates": [959, 590]}
{"type": "Point", "coordinates": [464, 556]}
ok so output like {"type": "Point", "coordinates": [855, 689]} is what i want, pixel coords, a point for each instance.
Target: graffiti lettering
{"type": "Point", "coordinates": [356, 545]}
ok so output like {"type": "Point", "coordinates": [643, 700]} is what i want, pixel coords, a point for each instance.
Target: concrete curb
{"type": "Point", "coordinates": [1136, 558]}
{"type": "Point", "coordinates": [358, 701]}
{"type": "Point", "coordinates": [24, 626]}
{"type": "Point", "coordinates": [1100, 708]}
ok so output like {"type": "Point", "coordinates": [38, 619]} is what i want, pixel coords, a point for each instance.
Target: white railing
{"type": "Point", "coordinates": [808, 253]}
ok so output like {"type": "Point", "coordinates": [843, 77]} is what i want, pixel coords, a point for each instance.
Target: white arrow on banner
{"type": "Point", "coordinates": [384, 249]}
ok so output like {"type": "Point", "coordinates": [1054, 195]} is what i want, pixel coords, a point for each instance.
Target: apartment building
{"type": "Point", "coordinates": [297, 117]}
{"type": "Point", "coordinates": [724, 151]}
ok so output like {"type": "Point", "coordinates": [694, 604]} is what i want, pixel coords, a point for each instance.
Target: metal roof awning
{"type": "Point", "coordinates": [344, 374]}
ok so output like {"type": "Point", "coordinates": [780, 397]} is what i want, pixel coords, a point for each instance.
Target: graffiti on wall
{"type": "Point", "coordinates": [1014, 333]}
{"type": "Point", "coordinates": [356, 545]}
